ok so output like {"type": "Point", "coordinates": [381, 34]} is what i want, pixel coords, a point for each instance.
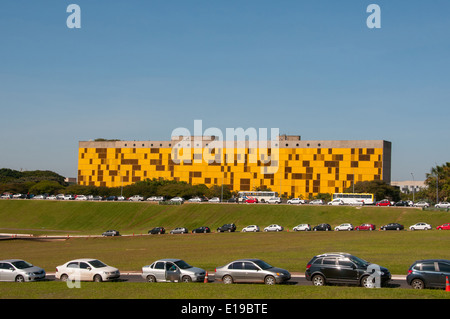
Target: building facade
{"type": "Point", "coordinates": [289, 166]}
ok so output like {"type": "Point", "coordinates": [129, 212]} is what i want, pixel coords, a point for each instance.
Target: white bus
{"type": "Point", "coordinates": [261, 196]}
{"type": "Point", "coordinates": [355, 199]}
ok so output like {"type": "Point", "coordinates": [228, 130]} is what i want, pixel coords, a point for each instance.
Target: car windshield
{"type": "Point", "coordinates": [359, 261]}
{"type": "Point", "coordinates": [182, 264]}
{"type": "Point", "coordinates": [262, 264]}
{"type": "Point", "coordinates": [97, 264]}
{"type": "Point", "coordinates": [21, 264]}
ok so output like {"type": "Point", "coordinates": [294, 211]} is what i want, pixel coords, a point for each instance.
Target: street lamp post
{"type": "Point", "coordinates": [414, 186]}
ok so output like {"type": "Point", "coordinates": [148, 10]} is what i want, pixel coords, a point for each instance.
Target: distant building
{"type": "Point", "coordinates": [408, 187]}
{"type": "Point", "coordinates": [289, 166]}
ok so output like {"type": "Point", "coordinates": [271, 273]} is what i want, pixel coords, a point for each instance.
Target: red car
{"type": "Point", "coordinates": [444, 226]}
{"type": "Point", "coordinates": [383, 202]}
{"type": "Point", "coordinates": [251, 200]}
{"type": "Point", "coordinates": [365, 227]}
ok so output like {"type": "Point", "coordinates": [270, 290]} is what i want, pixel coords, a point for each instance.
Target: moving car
{"type": "Point", "coordinates": [443, 227]}
{"type": "Point", "coordinates": [19, 270]}
{"type": "Point", "coordinates": [111, 233]}
{"type": "Point", "coordinates": [316, 202]}
{"type": "Point", "coordinates": [442, 205]}
{"type": "Point", "coordinates": [392, 226]}
{"type": "Point", "coordinates": [421, 204]}
{"type": "Point", "coordinates": [345, 268]}
{"type": "Point", "coordinates": [384, 202]}
{"type": "Point", "coordinates": [302, 227]}
{"type": "Point", "coordinates": [157, 230]}
{"type": "Point", "coordinates": [345, 226]}
{"type": "Point", "coordinates": [172, 270]}
{"type": "Point", "coordinates": [428, 273]}
{"type": "Point", "coordinates": [110, 198]}
{"type": "Point", "coordinates": [322, 227]}
{"type": "Point", "coordinates": [273, 227]}
{"type": "Point", "coordinates": [336, 202]}
{"type": "Point", "coordinates": [227, 228]}
{"type": "Point", "coordinates": [203, 229]}
{"type": "Point", "coordinates": [179, 230]}
{"type": "Point", "coordinates": [402, 203]}
{"type": "Point", "coordinates": [214, 200]}
{"type": "Point", "coordinates": [251, 228]}
{"type": "Point", "coordinates": [420, 226]}
{"type": "Point", "coordinates": [86, 269]}
{"type": "Point", "coordinates": [296, 201]}
{"type": "Point", "coordinates": [177, 200]}
{"type": "Point", "coordinates": [155, 199]}
{"type": "Point", "coordinates": [251, 200]}
{"type": "Point", "coordinates": [251, 270]}
{"type": "Point", "coordinates": [274, 200]}
{"type": "Point", "coordinates": [136, 198]}
{"type": "Point", "coordinates": [365, 227]}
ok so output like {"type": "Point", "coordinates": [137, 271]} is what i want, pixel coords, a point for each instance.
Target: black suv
{"type": "Point", "coordinates": [227, 227]}
{"type": "Point", "coordinates": [324, 227]}
{"type": "Point", "coordinates": [428, 273]}
{"type": "Point", "coordinates": [345, 268]}
{"type": "Point", "coordinates": [157, 230]}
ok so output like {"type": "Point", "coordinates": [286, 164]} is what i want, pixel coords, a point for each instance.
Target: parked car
{"type": "Point", "coordinates": [384, 202]}
{"type": "Point", "coordinates": [274, 200]}
{"type": "Point", "coordinates": [86, 269]}
{"type": "Point", "coordinates": [251, 228]}
{"type": "Point", "coordinates": [273, 227]}
{"type": "Point", "coordinates": [202, 229]}
{"type": "Point", "coordinates": [111, 233]}
{"type": "Point", "coordinates": [69, 197]}
{"type": "Point", "coordinates": [392, 226]}
{"type": "Point", "coordinates": [232, 200]}
{"type": "Point", "coordinates": [155, 199]}
{"type": "Point", "coordinates": [177, 200]}
{"type": "Point", "coordinates": [51, 197]}
{"type": "Point", "coordinates": [157, 230]}
{"type": "Point", "coordinates": [345, 268]}
{"type": "Point", "coordinates": [214, 200]}
{"type": "Point", "coordinates": [443, 227]}
{"type": "Point", "coordinates": [402, 203]}
{"type": "Point", "coordinates": [421, 204]}
{"type": "Point", "coordinates": [316, 202]}
{"type": "Point", "coordinates": [251, 200]}
{"type": "Point", "coordinates": [251, 270]}
{"type": "Point", "coordinates": [428, 273]}
{"type": "Point", "coordinates": [336, 201]}
{"type": "Point", "coordinates": [111, 198]}
{"type": "Point", "coordinates": [442, 205]}
{"type": "Point", "coordinates": [195, 200]}
{"type": "Point", "coordinates": [296, 201]}
{"type": "Point", "coordinates": [365, 227]}
{"type": "Point", "coordinates": [302, 227]}
{"type": "Point", "coordinates": [226, 228]}
{"type": "Point", "coordinates": [179, 230]}
{"type": "Point", "coordinates": [20, 270]}
{"type": "Point", "coordinates": [345, 226]}
{"type": "Point", "coordinates": [40, 197]}
{"type": "Point", "coordinates": [81, 197]}
{"type": "Point", "coordinates": [136, 198]}
{"type": "Point", "coordinates": [322, 227]}
{"type": "Point", "coordinates": [420, 226]}
{"type": "Point", "coordinates": [172, 270]}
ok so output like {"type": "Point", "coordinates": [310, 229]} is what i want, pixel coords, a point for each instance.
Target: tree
{"type": "Point", "coordinates": [438, 183]}
{"type": "Point", "coordinates": [379, 188]}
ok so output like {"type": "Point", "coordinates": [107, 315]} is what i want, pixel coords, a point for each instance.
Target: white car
{"type": "Point", "coordinates": [442, 205]}
{"type": "Point", "coordinates": [296, 201]}
{"type": "Point", "coordinates": [336, 202]}
{"type": "Point", "coordinates": [420, 226]}
{"type": "Point", "coordinates": [274, 200]}
{"type": "Point", "coordinates": [81, 197]}
{"type": "Point", "coordinates": [345, 226]}
{"type": "Point", "coordinates": [40, 197]}
{"type": "Point", "coordinates": [316, 202]}
{"type": "Point", "coordinates": [136, 198]}
{"type": "Point", "coordinates": [69, 197]}
{"type": "Point", "coordinates": [51, 197]}
{"type": "Point", "coordinates": [421, 204]}
{"type": "Point", "coordinates": [195, 200]}
{"type": "Point", "coordinates": [86, 269]}
{"type": "Point", "coordinates": [177, 199]}
{"type": "Point", "coordinates": [251, 228]}
{"type": "Point", "coordinates": [214, 200]}
{"type": "Point", "coordinates": [273, 227]}
{"type": "Point", "coordinates": [302, 227]}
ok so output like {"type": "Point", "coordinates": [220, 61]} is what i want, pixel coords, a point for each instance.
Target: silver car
{"type": "Point", "coordinates": [251, 270]}
{"type": "Point", "coordinates": [179, 230]}
{"type": "Point", "coordinates": [20, 270]}
{"type": "Point", "coordinates": [169, 270]}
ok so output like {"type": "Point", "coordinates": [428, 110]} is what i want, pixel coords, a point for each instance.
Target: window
{"type": "Point", "coordinates": [428, 267]}
{"type": "Point", "coordinates": [237, 265]}
{"type": "Point", "coordinates": [444, 267]}
{"type": "Point", "coordinates": [250, 266]}
{"type": "Point", "coordinates": [159, 265]}
{"type": "Point", "coordinates": [84, 266]}
{"type": "Point", "coordinates": [345, 263]}
{"type": "Point", "coordinates": [73, 265]}
{"type": "Point", "coordinates": [329, 261]}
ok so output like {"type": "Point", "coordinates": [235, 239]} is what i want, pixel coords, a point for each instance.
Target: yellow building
{"type": "Point", "coordinates": [289, 166]}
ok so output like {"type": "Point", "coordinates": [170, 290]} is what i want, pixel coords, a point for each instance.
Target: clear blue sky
{"type": "Point", "coordinates": [136, 70]}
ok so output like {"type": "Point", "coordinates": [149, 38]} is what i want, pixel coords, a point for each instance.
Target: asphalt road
{"type": "Point", "coordinates": [296, 279]}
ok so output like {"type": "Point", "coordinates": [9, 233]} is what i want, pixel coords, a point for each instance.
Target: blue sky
{"type": "Point", "coordinates": [136, 70]}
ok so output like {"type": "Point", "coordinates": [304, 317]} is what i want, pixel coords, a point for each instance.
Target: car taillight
{"type": "Point", "coordinates": [308, 266]}
{"type": "Point", "coordinates": [409, 272]}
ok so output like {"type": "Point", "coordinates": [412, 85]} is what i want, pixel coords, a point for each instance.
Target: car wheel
{"type": "Point", "coordinates": [269, 280]}
{"type": "Point", "coordinates": [64, 277]}
{"type": "Point", "coordinates": [227, 279]}
{"type": "Point", "coordinates": [417, 284]}
{"type": "Point", "coordinates": [318, 280]}
{"type": "Point", "coordinates": [367, 282]}
{"type": "Point", "coordinates": [98, 278]}
{"type": "Point", "coordinates": [151, 278]}
{"type": "Point", "coordinates": [186, 279]}
{"type": "Point", "coordinates": [20, 278]}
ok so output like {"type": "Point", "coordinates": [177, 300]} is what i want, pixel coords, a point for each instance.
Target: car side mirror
{"type": "Point", "coordinates": [89, 268]}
